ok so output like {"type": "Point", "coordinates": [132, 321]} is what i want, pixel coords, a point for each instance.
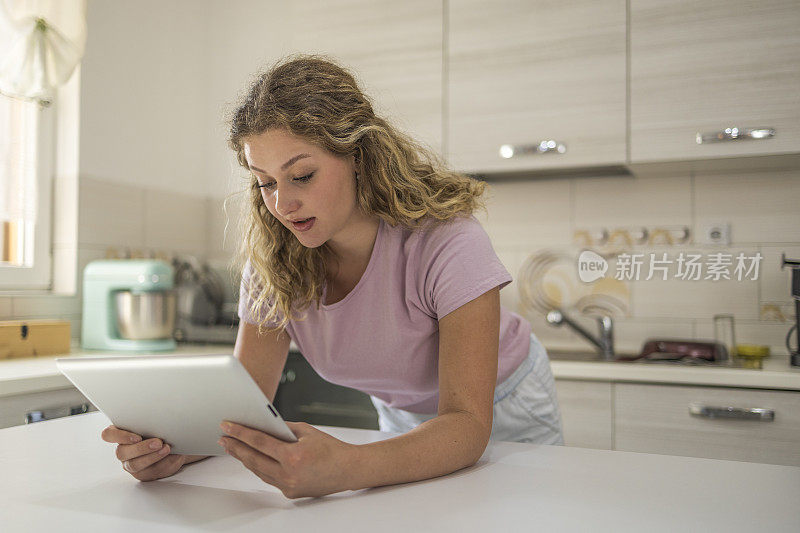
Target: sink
{"type": "Point", "coordinates": [594, 357]}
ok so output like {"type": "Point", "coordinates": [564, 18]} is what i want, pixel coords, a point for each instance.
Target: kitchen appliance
{"type": "Point", "coordinates": [207, 301]}
{"type": "Point", "coordinates": [128, 305]}
{"type": "Point", "coordinates": [794, 355]}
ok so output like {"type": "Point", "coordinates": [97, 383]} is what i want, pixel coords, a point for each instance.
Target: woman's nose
{"type": "Point", "coordinates": [285, 202]}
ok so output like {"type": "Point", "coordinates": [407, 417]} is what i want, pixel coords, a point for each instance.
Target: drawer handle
{"type": "Point", "coordinates": [735, 134]}
{"type": "Point", "coordinates": [741, 413]}
{"type": "Point", "coordinates": [549, 146]}
{"type": "Point", "coordinates": [56, 412]}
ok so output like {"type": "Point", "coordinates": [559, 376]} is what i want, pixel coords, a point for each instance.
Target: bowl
{"type": "Point", "coordinates": [145, 315]}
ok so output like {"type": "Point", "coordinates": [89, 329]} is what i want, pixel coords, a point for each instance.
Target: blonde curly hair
{"type": "Point", "coordinates": [400, 180]}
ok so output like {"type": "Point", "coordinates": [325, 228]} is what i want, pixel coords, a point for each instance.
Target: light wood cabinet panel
{"type": "Point", "coordinates": [14, 408]}
{"type": "Point", "coordinates": [705, 66]}
{"type": "Point", "coordinates": [395, 49]}
{"type": "Point", "coordinates": [585, 413]}
{"type": "Point", "coordinates": [521, 71]}
{"type": "Point", "coordinates": [656, 419]}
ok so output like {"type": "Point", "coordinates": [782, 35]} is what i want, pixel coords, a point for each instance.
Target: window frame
{"type": "Point", "coordinates": [57, 162]}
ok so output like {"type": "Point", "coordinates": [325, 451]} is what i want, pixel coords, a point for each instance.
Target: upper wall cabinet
{"type": "Point", "coordinates": [707, 67]}
{"type": "Point", "coordinates": [535, 84]}
{"type": "Point", "coordinates": [394, 49]}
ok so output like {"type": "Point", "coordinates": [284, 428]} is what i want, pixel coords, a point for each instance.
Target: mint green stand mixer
{"type": "Point", "coordinates": [128, 306]}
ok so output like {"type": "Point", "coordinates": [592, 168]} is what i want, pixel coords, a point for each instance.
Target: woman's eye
{"type": "Point", "coordinates": [271, 185]}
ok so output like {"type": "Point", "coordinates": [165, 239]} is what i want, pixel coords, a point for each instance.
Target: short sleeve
{"type": "Point", "coordinates": [246, 302]}
{"type": "Point", "coordinates": [459, 264]}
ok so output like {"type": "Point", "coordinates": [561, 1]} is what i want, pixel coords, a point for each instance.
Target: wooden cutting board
{"type": "Point", "coordinates": [31, 338]}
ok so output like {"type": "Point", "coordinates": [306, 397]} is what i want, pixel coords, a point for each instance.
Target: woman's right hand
{"type": "Point", "coordinates": [146, 460]}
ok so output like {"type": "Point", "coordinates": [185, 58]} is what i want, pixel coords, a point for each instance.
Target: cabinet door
{"type": "Point", "coordinates": [395, 49]}
{"type": "Point", "coordinates": [521, 72]}
{"type": "Point", "coordinates": [657, 419]}
{"type": "Point", "coordinates": [700, 67]}
{"type": "Point", "coordinates": [585, 413]}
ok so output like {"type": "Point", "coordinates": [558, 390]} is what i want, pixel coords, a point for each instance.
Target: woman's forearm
{"type": "Point", "coordinates": [442, 445]}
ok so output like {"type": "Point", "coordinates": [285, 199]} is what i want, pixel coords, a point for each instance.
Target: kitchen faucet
{"type": "Point", "coordinates": [604, 342]}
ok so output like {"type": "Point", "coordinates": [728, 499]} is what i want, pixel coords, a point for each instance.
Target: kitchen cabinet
{"type": "Point", "coordinates": [15, 409]}
{"type": "Point", "coordinates": [657, 419]}
{"type": "Point", "coordinates": [702, 67]}
{"type": "Point", "coordinates": [521, 72]}
{"type": "Point", "coordinates": [395, 50]}
{"type": "Point", "coordinates": [586, 410]}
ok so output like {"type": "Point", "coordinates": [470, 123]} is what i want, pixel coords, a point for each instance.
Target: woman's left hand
{"type": "Point", "coordinates": [316, 465]}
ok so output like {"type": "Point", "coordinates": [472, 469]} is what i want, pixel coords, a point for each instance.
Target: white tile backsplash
{"type": "Point", "coordinates": [175, 222]}
{"type": "Point", "coordinates": [111, 214]}
{"type": "Point", "coordinates": [523, 217]}
{"type": "Point", "coordinates": [611, 202]}
{"type": "Point", "coordinates": [45, 306]}
{"type": "Point", "coordinates": [631, 334]}
{"type": "Point", "coordinates": [694, 299]}
{"type": "Point", "coordinates": [528, 212]}
{"type": "Point", "coordinates": [762, 207]}
{"type": "Point", "coordinates": [6, 311]}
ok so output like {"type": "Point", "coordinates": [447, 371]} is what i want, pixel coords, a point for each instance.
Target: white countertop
{"type": "Point", "coordinates": [776, 374]}
{"type": "Point", "coordinates": [38, 374]}
{"type": "Point", "coordinates": [60, 476]}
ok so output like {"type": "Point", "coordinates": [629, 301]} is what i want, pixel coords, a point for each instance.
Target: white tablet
{"type": "Point", "coordinates": [181, 399]}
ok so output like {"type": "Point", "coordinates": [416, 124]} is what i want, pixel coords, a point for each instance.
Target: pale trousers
{"type": "Point", "coordinates": [525, 405]}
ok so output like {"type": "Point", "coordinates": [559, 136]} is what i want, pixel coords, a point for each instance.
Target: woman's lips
{"type": "Point", "coordinates": [304, 226]}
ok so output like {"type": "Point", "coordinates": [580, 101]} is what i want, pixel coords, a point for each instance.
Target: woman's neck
{"type": "Point", "coordinates": [350, 254]}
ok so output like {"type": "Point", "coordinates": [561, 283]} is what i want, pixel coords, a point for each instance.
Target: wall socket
{"type": "Point", "coordinates": [715, 233]}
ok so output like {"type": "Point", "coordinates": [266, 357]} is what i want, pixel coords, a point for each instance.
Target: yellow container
{"type": "Point", "coordinates": [31, 338]}
{"type": "Point", "coordinates": [752, 355]}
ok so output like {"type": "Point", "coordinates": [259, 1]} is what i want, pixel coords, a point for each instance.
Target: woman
{"type": "Point", "coordinates": [362, 247]}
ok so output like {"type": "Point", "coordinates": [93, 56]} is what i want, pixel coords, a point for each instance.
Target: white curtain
{"type": "Point", "coordinates": [41, 43]}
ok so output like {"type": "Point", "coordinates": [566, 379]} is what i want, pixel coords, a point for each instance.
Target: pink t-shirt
{"type": "Point", "coordinates": [383, 337]}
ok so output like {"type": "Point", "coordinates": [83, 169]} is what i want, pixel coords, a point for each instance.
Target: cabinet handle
{"type": "Point", "coordinates": [735, 134]}
{"type": "Point", "coordinates": [549, 146]}
{"type": "Point", "coordinates": [56, 412]}
{"type": "Point", "coordinates": [753, 413]}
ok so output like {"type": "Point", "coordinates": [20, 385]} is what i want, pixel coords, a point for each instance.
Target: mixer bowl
{"type": "Point", "coordinates": [145, 315]}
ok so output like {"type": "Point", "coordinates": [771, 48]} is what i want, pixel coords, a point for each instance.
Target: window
{"type": "Point", "coordinates": [27, 154]}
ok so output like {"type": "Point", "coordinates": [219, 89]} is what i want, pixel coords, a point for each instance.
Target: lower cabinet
{"type": "Point", "coordinates": [761, 426]}
{"type": "Point", "coordinates": [38, 406]}
{"type": "Point", "coordinates": [586, 409]}
{"type": "Point", "coordinates": [754, 425]}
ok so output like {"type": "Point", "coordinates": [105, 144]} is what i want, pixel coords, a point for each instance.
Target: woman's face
{"type": "Point", "coordinates": [301, 180]}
